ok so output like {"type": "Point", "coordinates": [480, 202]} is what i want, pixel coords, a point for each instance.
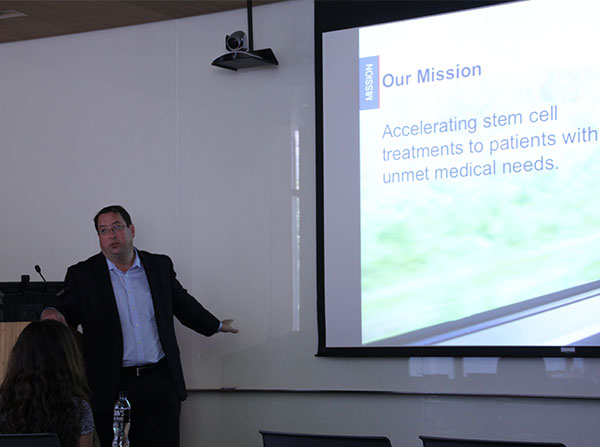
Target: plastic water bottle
{"type": "Point", "coordinates": [121, 421]}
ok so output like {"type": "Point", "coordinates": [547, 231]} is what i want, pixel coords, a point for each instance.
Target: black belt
{"type": "Point", "coordinates": [143, 370]}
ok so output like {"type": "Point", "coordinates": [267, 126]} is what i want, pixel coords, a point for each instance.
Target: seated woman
{"type": "Point", "coordinates": [45, 389]}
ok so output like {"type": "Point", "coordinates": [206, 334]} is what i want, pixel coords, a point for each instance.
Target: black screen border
{"type": "Point", "coordinates": [332, 15]}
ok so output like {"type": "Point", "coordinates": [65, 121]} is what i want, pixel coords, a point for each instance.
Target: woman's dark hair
{"type": "Point", "coordinates": [44, 376]}
{"type": "Point", "coordinates": [117, 209]}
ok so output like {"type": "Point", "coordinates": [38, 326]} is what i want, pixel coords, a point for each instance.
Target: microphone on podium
{"type": "Point", "coordinates": [39, 270]}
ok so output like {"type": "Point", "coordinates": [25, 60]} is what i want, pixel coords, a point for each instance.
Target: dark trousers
{"type": "Point", "coordinates": [155, 410]}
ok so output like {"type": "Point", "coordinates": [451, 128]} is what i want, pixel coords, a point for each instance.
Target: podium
{"type": "Point", "coordinates": [9, 332]}
{"type": "Point", "coordinates": [25, 300]}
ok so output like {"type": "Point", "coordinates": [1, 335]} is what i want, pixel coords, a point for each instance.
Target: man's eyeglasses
{"type": "Point", "coordinates": [115, 229]}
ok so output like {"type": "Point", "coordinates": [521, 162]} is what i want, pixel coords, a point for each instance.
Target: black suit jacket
{"type": "Point", "coordinates": [89, 300]}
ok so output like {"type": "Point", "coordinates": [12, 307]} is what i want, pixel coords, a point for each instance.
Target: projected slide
{"type": "Point", "coordinates": [478, 179]}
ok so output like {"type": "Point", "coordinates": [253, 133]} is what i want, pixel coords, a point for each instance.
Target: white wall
{"type": "Point", "coordinates": [87, 120]}
{"type": "Point", "coordinates": [204, 159]}
{"type": "Point", "coordinates": [402, 418]}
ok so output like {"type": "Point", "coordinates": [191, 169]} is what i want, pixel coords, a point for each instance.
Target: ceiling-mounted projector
{"type": "Point", "coordinates": [240, 57]}
{"type": "Point", "coordinates": [237, 60]}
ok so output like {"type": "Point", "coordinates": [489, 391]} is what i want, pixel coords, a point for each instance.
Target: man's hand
{"type": "Point", "coordinates": [52, 314]}
{"type": "Point", "coordinates": [227, 327]}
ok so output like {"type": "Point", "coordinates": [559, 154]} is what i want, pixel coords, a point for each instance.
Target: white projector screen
{"type": "Point", "coordinates": [459, 183]}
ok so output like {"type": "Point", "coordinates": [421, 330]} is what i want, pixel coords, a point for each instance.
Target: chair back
{"type": "Point", "coordinates": [29, 440]}
{"type": "Point", "coordinates": [279, 439]}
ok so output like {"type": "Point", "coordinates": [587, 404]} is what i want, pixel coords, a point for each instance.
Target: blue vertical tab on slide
{"type": "Point", "coordinates": [369, 82]}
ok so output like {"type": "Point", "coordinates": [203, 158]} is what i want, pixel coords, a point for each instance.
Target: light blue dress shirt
{"type": "Point", "coordinates": [141, 344]}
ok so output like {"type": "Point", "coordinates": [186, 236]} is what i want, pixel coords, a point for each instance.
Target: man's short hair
{"type": "Point", "coordinates": [117, 209]}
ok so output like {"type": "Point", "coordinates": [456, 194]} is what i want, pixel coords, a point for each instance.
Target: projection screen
{"type": "Point", "coordinates": [458, 183]}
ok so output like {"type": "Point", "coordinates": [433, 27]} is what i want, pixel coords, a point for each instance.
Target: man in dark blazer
{"type": "Point", "coordinates": [125, 300]}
